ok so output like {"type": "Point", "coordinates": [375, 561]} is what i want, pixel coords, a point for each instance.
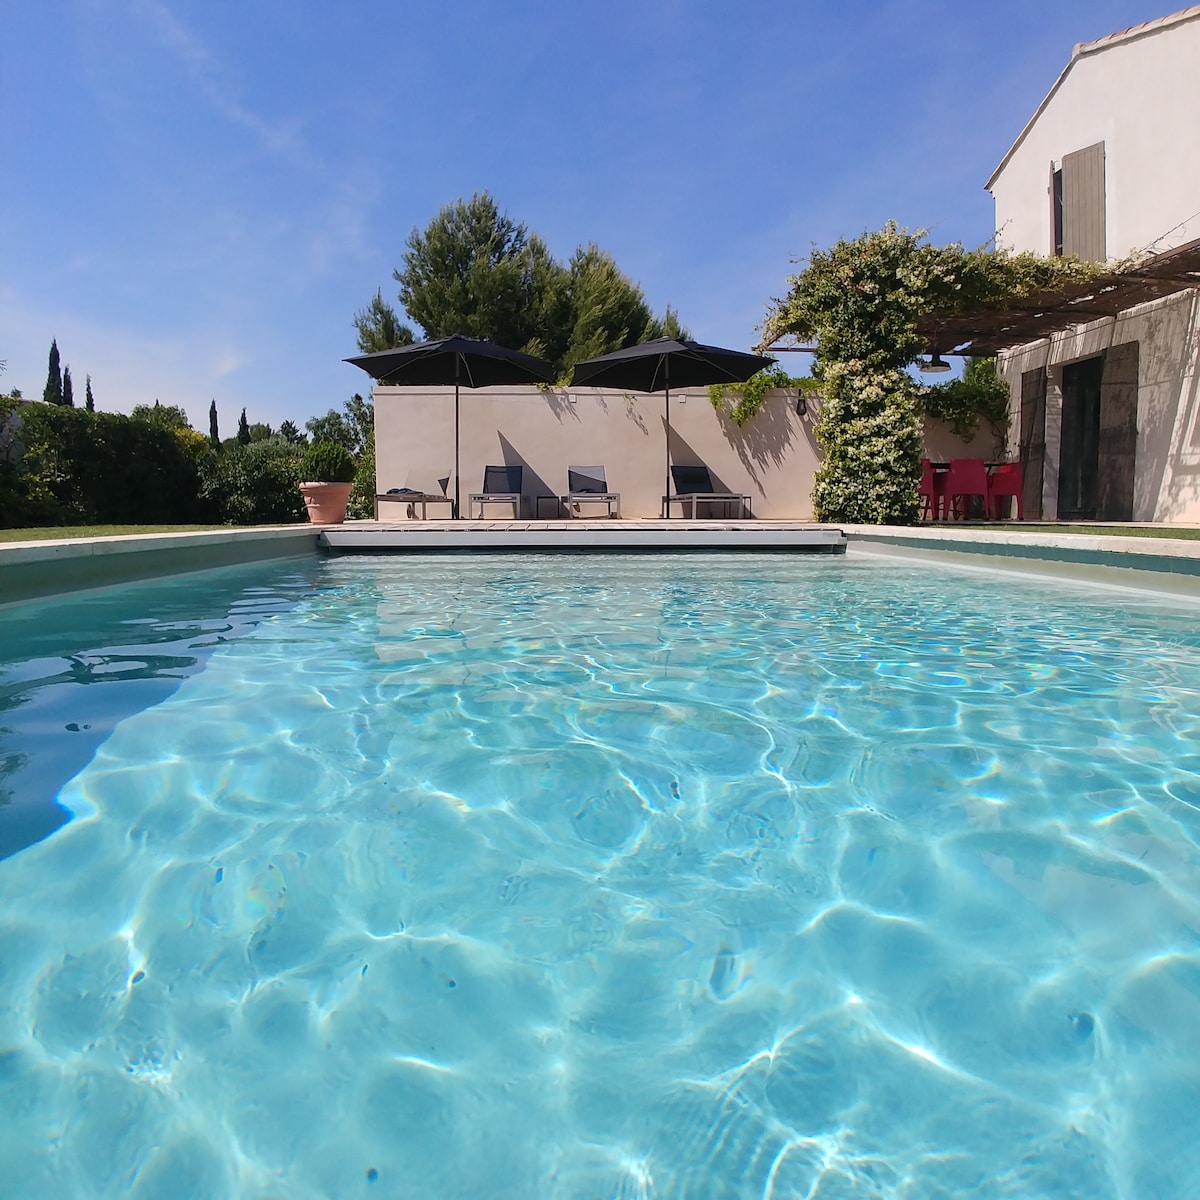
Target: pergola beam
{"type": "Point", "coordinates": [990, 330]}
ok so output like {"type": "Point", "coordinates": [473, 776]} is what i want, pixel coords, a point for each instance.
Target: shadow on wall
{"type": "Point", "coordinates": [1168, 470]}
{"type": "Point", "coordinates": [683, 454]}
{"type": "Point", "coordinates": [532, 484]}
{"type": "Point", "coordinates": [632, 411]}
{"type": "Point", "coordinates": [431, 481]}
{"type": "Point", "coordinates": [762, 443]}
{"type": "Point", "coordinates": [559, 403]}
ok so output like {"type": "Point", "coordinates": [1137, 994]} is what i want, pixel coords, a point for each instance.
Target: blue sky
{"type": "Point", "coordinates": [198, 196]}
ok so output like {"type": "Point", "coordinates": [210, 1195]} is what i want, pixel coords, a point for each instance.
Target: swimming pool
{"type": "Point", "coordinates": [570, 876]}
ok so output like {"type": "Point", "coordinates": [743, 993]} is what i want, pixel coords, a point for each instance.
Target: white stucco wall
{"type": "Point", "coordinates": [1167, 473]}
{"type": "Point", "coordinates": [772, 458]}
{"type": "Point", "coordinates": [1139, 93]}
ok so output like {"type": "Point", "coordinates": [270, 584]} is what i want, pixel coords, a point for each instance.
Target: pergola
{"type": "Point", "coordinates": [987, 331]}
{"type": "Point", "coordinates": [990, 330]}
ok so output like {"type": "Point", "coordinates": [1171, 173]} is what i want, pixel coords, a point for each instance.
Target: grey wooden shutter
{"type": "Point", "coordinates": [1083, 212]}
{"type": "Point", "coordinates": [1118, 433]}
{"type": "Point", "coordinates": [1033, 441]}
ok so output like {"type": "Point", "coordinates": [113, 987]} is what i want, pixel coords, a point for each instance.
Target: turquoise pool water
{"type": "Point", "coordinates": [595, 877]}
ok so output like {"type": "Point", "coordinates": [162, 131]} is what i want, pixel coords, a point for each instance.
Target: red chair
{"type": "Point", "coordinates": [1005, 481]}
{"type": "Point", "coordinates": [966, 478]}
{"type": "Point", "coordinates": [931, 491]}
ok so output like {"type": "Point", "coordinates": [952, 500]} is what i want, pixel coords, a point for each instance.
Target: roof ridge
{"type": "Point", "coordinates": [1083, 50]}
{"type": "Point", "coordinates": [1134, 31]}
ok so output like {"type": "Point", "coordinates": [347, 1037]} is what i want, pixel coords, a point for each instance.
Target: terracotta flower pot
{"type": "Point", "coordinates": [326, 502]}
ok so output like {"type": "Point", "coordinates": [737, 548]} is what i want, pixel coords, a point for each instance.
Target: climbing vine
{"type": "Point", "coordinates": [740, 401]}
{"type": "Point", "coordinates": [861, 301]}
{"type": "Point", "coordinates": [980, 395]}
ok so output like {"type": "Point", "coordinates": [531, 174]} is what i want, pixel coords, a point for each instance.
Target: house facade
{"type": "Point", "coordinates": [1105, 412]}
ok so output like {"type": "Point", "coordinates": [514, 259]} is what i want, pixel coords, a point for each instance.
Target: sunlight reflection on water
{"type": "Point", "coordinates": [569, 876]}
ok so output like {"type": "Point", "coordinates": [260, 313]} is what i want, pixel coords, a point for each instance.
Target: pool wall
{"type": "Point", "coordinates": [1146, 563]}
{"type": "Point", "coordinates": [30, 570]}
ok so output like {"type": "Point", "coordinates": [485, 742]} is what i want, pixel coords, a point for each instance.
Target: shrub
{"type": "Point", "coordinates": [256, 484]}
{"type": "Point", "coordinates": [326, 462]}
{"type": "Point", "coordinates": [362, 496]}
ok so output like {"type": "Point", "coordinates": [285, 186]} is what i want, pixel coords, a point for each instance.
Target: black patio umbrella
{"type": "Point", "coordinates": [659, 365]}
{"type": "Point", "coordinates": [465, 361]}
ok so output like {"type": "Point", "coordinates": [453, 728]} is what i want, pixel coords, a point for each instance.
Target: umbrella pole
{"type": "Point", "coordinates": [457, 499]}
{"type": "Point", "coordinates": [667, 491]}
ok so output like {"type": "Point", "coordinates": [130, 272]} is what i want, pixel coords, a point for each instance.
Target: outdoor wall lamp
{"type": "Point", "coordinates": [801, 406]}
{"type": "Point", "coordinates": [935, 366]}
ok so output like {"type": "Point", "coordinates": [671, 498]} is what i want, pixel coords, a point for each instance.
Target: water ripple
{"type": "Point", "coordinates": [687, 878]}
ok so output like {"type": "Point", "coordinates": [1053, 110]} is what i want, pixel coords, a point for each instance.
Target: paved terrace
{"type": "Point", "coordinates": [29, 570]}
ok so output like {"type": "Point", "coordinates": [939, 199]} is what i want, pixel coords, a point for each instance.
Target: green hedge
{"type": "Point", "coordinates": [68, 466]}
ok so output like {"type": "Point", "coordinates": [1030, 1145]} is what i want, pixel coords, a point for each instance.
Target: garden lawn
{"type": "Point", "coordinates": [53, 533]}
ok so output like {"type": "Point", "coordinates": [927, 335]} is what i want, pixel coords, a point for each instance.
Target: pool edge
{"type": "Point", "coordinates": [37, 570]}
{"type": "Point", "coordinates": [1143, 564]}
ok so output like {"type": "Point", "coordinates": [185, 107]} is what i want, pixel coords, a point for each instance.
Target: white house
{"type": "Point", "coordinates": [1105, 413]}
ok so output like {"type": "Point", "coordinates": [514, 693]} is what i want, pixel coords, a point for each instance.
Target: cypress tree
{"type": "Point", "coordinates": [213, 436]}
{"type": "Point", "coordinates": [68, 389]}
{"type": "Point", "coordinates": [89, 402]}
{"type": "Point", "coordinates": [54, 387]}
{"type": "Point", "coordinates": [243, 433]}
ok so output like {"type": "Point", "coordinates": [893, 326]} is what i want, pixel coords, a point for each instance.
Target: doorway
{"type": "Point", "coordinates": [1079, 456]}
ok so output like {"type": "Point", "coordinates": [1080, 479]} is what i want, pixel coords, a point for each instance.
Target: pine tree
{"type": "Point", "coordinates": [291, 434]}
{"type": "Point", "coordinates": [89, 403]}
{"type": "Point", "coordinates": [54, 387]}
{"type": "Point", "coordinates": [68, 389]}
{"type": "Point", "coordinates": [213, 436]}
{"type": "Point", "coordinates": [379, 328]}
{"type": "Point", "coordinates": [475, 271]}
{"type": "Point", "coordinates": [243, 433]}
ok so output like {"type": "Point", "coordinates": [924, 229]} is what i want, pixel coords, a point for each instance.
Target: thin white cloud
{"type": "Point", "coordinates": [227, 362]}
{"type": "Point", "coordinates": [213, 83]}
{"type": "Point", "coordinates": [342, 230]}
